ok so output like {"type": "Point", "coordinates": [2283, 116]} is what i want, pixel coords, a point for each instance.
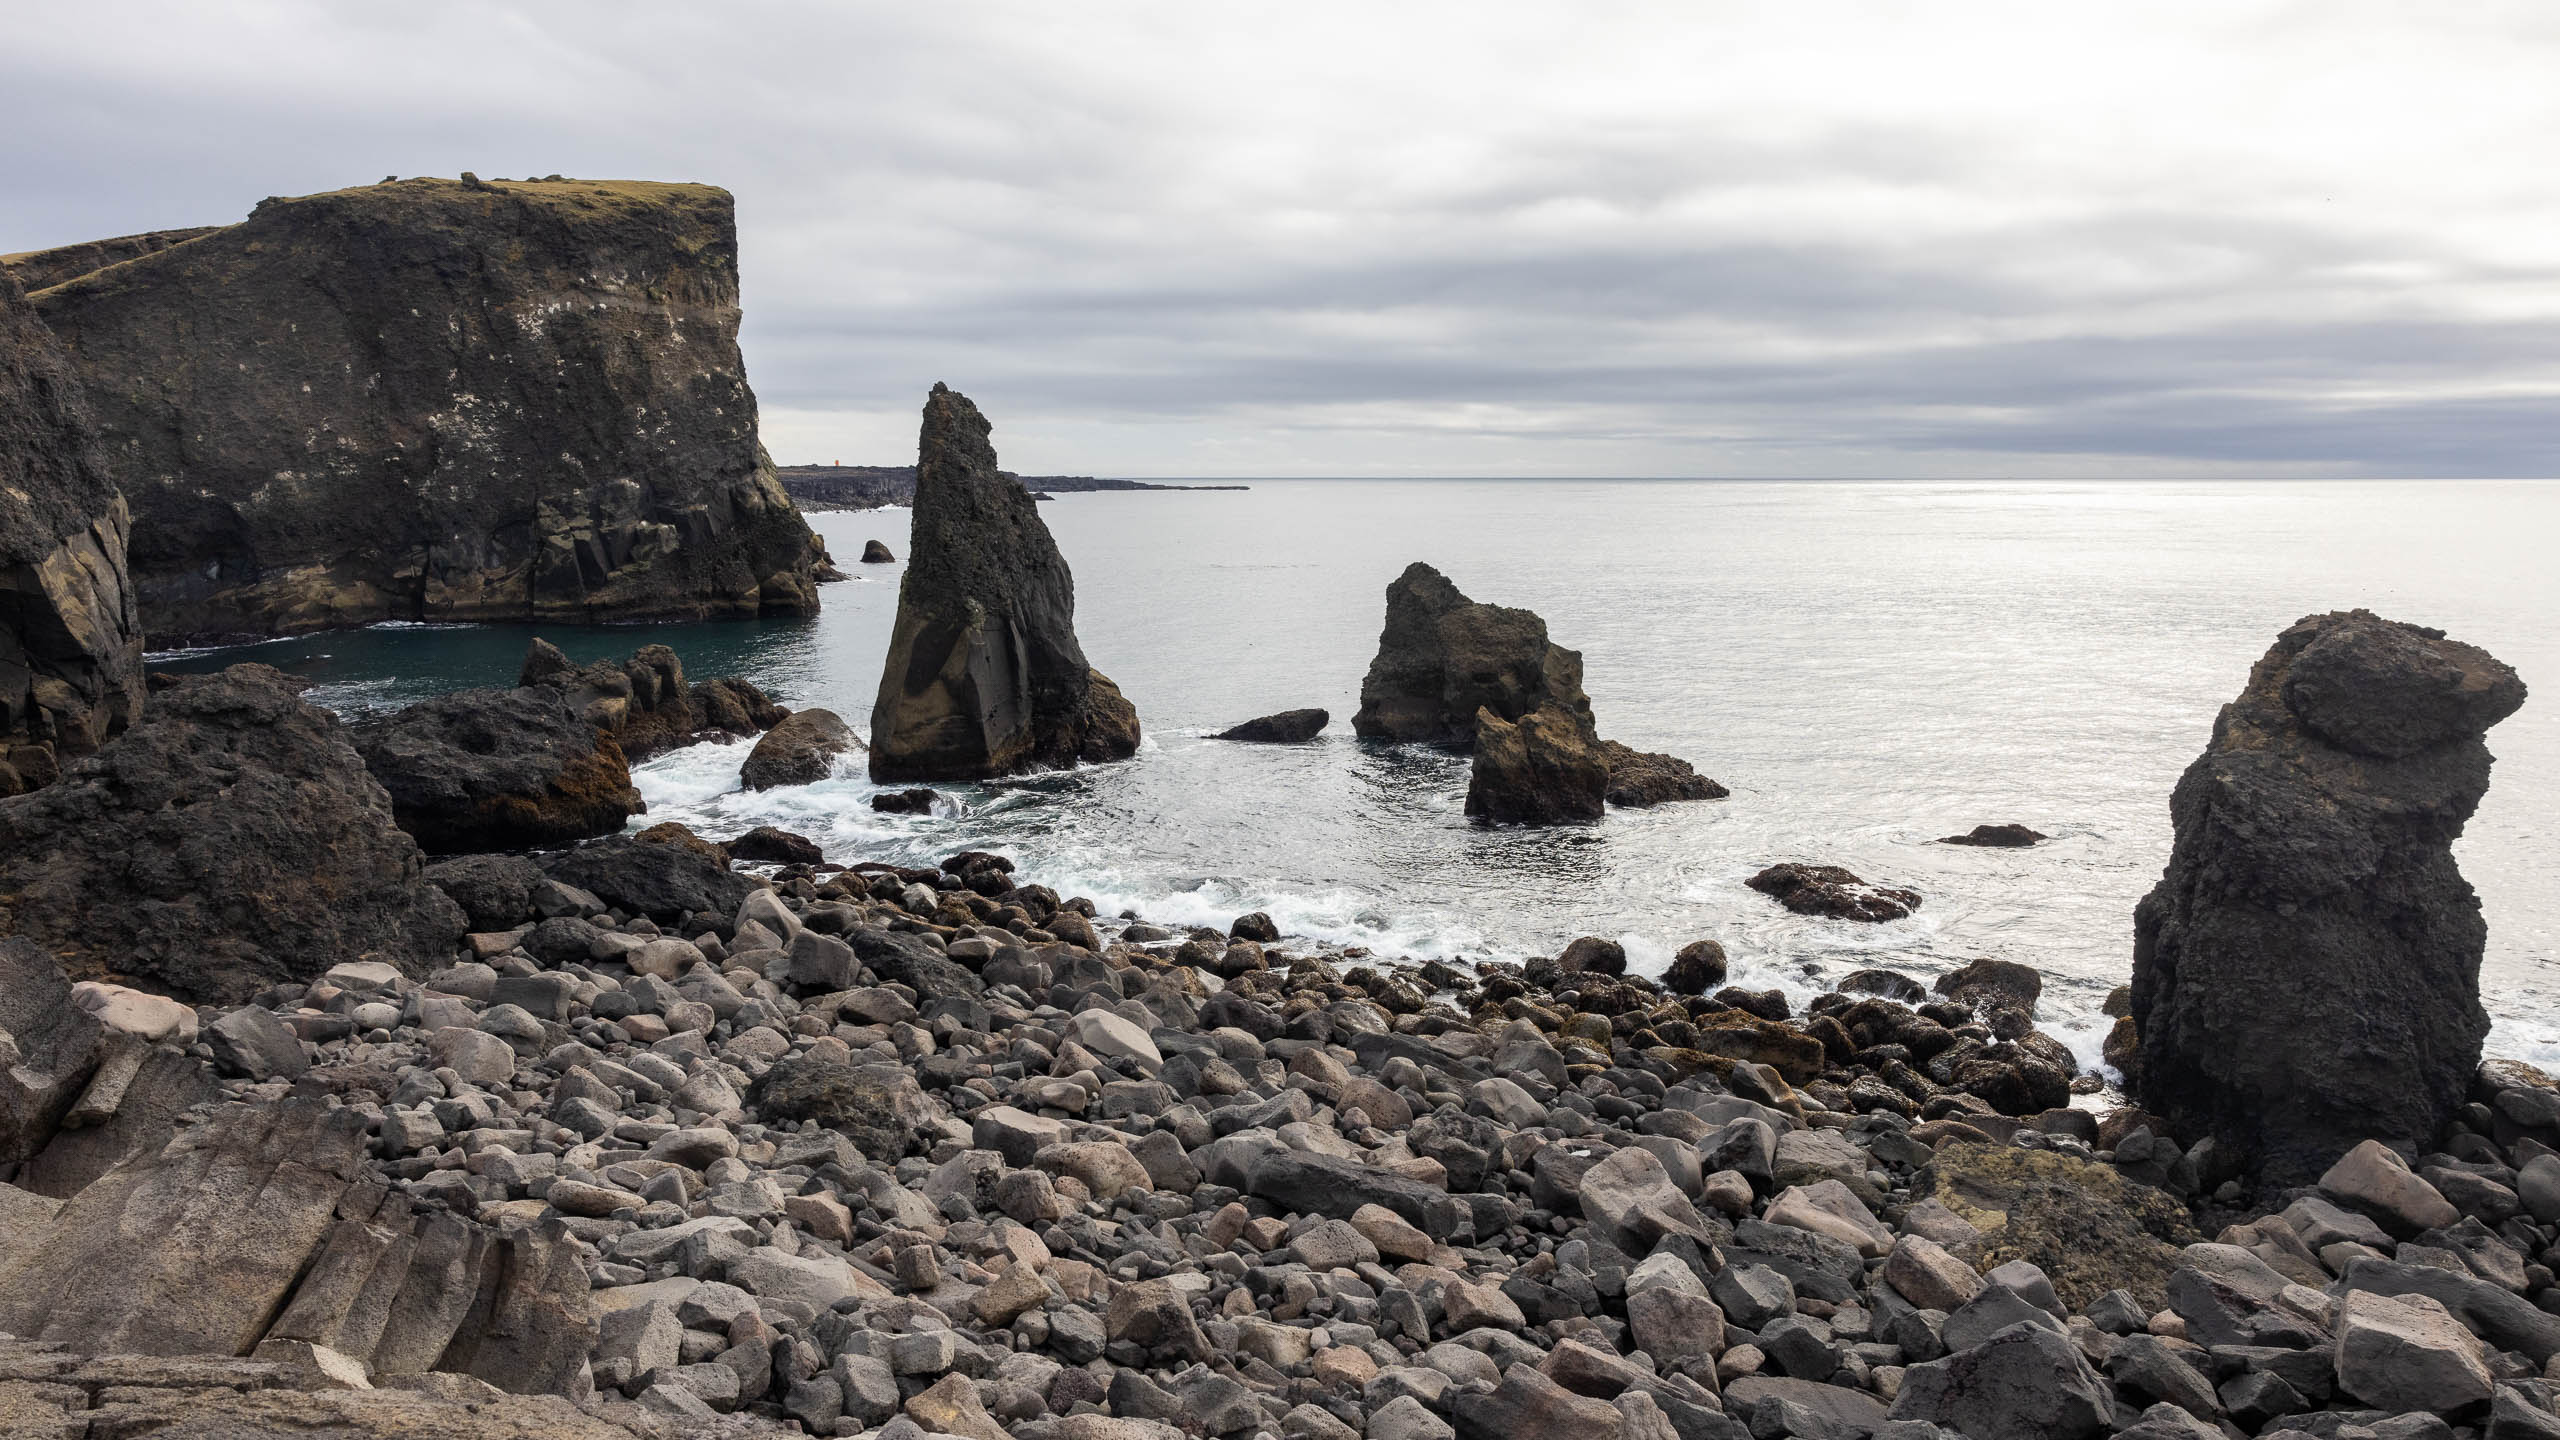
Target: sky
{"type": "Point", "coordinates": [1600, 238]}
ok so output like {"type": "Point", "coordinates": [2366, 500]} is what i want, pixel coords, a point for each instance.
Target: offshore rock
{"type": "Point", "coordinates": [1442, 658]}
{"type": "Point", "coordinates": [2004, 837]}
{"type": "Point", "coordinates": [2307, 971]}
{"type": "Point", "coordinates": [229, 841]}
{"type": "Point", "coordinates": [1543, 770]}
{"type": "Point", "coordinates": [1289, 727]}
{"type": "Point", "coordinates": [645, 702]}
{"type": "Point", "coordinates": [1829, 890]}
{"type": "Point", "coordinates": [1639, 778]}
{"type": "Point", "coordinates": [70, 638]}
{"type": "Point", "coordinates": [439, 400]}
{"type": "Point", "coordinates": [802, 750]}
{"type": "Point", "coordinates": [875, 553]}
{"type": "Point", "coordinates": [984, 675]}
{"type": "Point", "coordinates": [498, 770]}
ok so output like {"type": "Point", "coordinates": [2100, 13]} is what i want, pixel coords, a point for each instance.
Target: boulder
{"type": "Point", "coordinates": [1698, 968]}
{"type": "Point", "coordinates": [70, 632]}
{"type": "Point", "coordinates": [2307, 971]}
{"type": "Point", "coordinates": [49, 1045]}
{"type": "Point", "coordinates": [2006, 837]}
{"type": "Point", "coordinates": [2406, 1352]}
{"type": "Point", "coordinates": [875, 553]}
{"type": "Point", "coordinates": [2089, 1229]}
{"type": "Point", "coordinates": [1289, 727]}
{"type": "Point", "coordinates": [1831, 891]}
{"type": "Point", "coordinates": [2024, 1383]}
{"type": "Point", "coordinates": [1542, 770]}
{"type": "Point", "coordinates": [231, 840]}
{"type": "Point", "coordinates": [475, 355]}
{"type": "Point", "coordinates": [768, 845]}
{"type": "Point", "coordinates": [802, 750]}
{"type": "Point", "coordinates": [496, 892]}
{"type": "Point", "coordinates": [1442, 658]}
{"type": "Point", "coordinates": [663, 882]}
{"type": "Point", "coordinates": [880, 1108]}
{"type": "Point", "coordinates": [984, 675]}
{"type": "Point", "coordinates": [482, 770]}
{"type": "Point", "coordinates": [916, 800]}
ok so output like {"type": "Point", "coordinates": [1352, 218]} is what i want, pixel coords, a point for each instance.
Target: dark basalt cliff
{"type": "Point", "coordinates": [70, 644]}
{"type": "Point", "coordinates": [2306, 975]}
{"type": "Point", "coordinates": [438, 399]}
{"type": "Point", "coordinates": [984, 675]}
{"type": "Point", "coordinates": [44, 269]}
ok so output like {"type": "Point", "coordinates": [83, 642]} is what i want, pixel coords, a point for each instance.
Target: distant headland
{"type": "Point", "coordinates": [868, 487]}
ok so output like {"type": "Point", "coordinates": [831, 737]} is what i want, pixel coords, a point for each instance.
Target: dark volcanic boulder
{"type": "Point", "coordinates": [2306, 974]}
{"type": "Point", "coordinates": [917, 801]}
{"type": "Point", "coordinates": [70, 641]}
{"type": "Point", "coordinates": [1831, 891]}
{"type": "Point", "coordinates": [1638, 778]}
{"type": "Point", "coordinates": [984, 675]}
{"type": "Point", "coordinates": [2010, 837]}
{"type": "Point", "coordinates": [880, 1108]}
{"type": "Point", "coordinates": [644, 702]}
{"type": "Point", "coordinates": [498, 770]}
{"type": "Point", "coordinates": [1442, 658]}
{"type": "Point", "coordinates": [231, 840]}
{"type": "Point", "coordinates": [875, 553]}
{"type": "Point", "coordinates": [1542, 771]}
{"type": "Point", "coordinates": [1697, 969]}
{"type": "Point", "coordinates": [496, 892]}
{"type": "Point", "coordinates": [439, 399]}
{"type": "Point", "coordinates": [1286, 728]}
{"type": "Point", "coordinates": [663, 882]}
{"type": "Point", "coordinates": [802, 750]}
{"type": "Point", "coordinates": [767, 845]}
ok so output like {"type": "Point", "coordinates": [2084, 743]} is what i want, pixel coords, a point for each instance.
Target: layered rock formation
{"type": "Point", "coordinates": [645, 703]}
{"type": "Point", "coordinates": [2307, 971]}
{"type": "Point", "coordinates": [1459, 673]}
{"type": "Point", "coordinates": [70, 636]}
{"type": "Point", "coordinates": [984, 675]}
{"type": "Point", "coordinates": [230, 840]}
{"type": "Point", "coordinates": [434, 399]}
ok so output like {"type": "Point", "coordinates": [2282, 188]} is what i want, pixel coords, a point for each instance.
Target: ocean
{"type": "Point", "coordinates": [1867, 665]}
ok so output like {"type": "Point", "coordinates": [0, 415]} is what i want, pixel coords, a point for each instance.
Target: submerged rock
{"type": "Point", "coordinates": [2011, 837]}
{"type": "Point", "coordinates": [1289, 727]}
{"type": "Point", "coordinates": [231, 840]}
{"type": "Point", "coordinates": [802, 750]}
{"type": "Point", "coordinates": [2307, 971]}
{"type": "Point", "coordinates": [916, 801]}
{"type": "Point", "coordinates": [1543, 770]}
{"type": "Point", "coordinates": [70, 637]}
{"type": "Point", "coordinates": [984, 675]}
{"type": "Point", "coordinates": [473, 356]}
{"type": "Point", "coordinates": [1831, 891]}
{"type": "Point", "coordinates": [498, 770]}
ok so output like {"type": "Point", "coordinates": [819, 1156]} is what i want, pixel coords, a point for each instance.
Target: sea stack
{"type": "Point", "coordinates": [984, 675]}
{"type": "Point", "coordinates": [434, 400]}
{"type": "Point", "coordinates": [2306, 974]}
{"type": "Point", "coordinates": [70, 640]}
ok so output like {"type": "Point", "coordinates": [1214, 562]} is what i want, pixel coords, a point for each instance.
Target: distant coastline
{"type": "Point", "coordinates": [868, 487]}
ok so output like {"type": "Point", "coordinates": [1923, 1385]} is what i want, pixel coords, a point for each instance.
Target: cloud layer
{"type": "Point", "coordinates": [1612, 238]}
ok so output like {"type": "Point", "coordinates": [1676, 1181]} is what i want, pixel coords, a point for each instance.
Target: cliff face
{"type": "Point", "coordinates": [44, 269]}
{"type": "Point", "coordinates": [70, 645]}
{"type": "Point", "coordinates": [438, 399]}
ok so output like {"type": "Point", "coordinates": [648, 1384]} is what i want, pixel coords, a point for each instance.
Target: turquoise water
{"type": "Point", "coordinates": [1868, 666]}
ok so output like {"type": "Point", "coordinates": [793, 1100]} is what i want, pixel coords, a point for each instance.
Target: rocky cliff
{"type": "Point", "coordinates": [70, 643]}
{"type": "Point", "coordinates": [2307, 972]}
{"type": "Point", "coordinates": [984, 674]}
{"type": "Point", "coordinates": [438, 399]}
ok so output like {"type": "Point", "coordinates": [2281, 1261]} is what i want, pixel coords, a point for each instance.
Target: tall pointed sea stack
{"type": "Point", "coordinates": [2306, 974]}
{"type": "Point", "coordinates": [984, 675]}
{"type": "Point", "coordinates": [70, 644]}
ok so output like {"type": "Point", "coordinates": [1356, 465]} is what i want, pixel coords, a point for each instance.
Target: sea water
{"type": "Point", "coordinates": [1868, 666]}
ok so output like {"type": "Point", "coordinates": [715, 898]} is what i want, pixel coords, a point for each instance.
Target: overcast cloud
{"type": "Point", "coordinates": [1594, 238]}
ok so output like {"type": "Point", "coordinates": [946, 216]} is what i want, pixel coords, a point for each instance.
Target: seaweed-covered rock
{"type": "Point", "coordinates": [498, 770]}
{"type": "Point", "coordinates": [880, 1108]}
{"type": "Point", "coordinates": [527, 396]}
{"type": "Point", "coordinates": [2085, 1225]}
{"type": "Point", "coordinates": [70, 637]}
{"type": "Point", "coordinates": [984, 675]}
{"type": "Point", "coordinates": [231, 840]}
{"type": "Point", "coordinates": [2307, 972]}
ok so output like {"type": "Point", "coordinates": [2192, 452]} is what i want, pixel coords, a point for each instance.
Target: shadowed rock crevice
{"type": "Point", "coordinates": [2307, 971]}
{"type": "Point", "coordinates": [984, 675]}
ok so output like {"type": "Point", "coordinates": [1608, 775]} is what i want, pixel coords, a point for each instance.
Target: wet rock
{"type": "Point", "coordinates": [1697, 969]}
{"type": "Point", "coordinates": [229, 841]}
{"type": "Point", "coordinates": [1289, 727]}
{"type": "Point", "coordinates": [802, 750]}
{"type": "Point", "coordinates": [70, 632]}
{"type": "Point", "coordinates": [984, 675]}
{"type": "Point", "coordinates": [1828, 890]}
{"type": "Point", "coordinates": [1542, 770]}
{"type": "Point", "coordinates": [404, 301]}
{"type": "Point", "coordinates": [2306, 973]}
{"type": "Point", "coordinates": [768, 845]}
{"type": "Point", "coordinates": [917, 801]}
{"type": "Point", "coordinates": [2006, 837]}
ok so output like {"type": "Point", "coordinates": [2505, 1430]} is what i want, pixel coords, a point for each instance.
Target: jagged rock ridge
{"type": "Point", "coordinates": [2307, 971]}
{"type": "Point", "coordinates": [984, 675]}
{"type": "Point", "coordinates": [70, 640]}
{"type": "Point", "coordinates": [434, 399]}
